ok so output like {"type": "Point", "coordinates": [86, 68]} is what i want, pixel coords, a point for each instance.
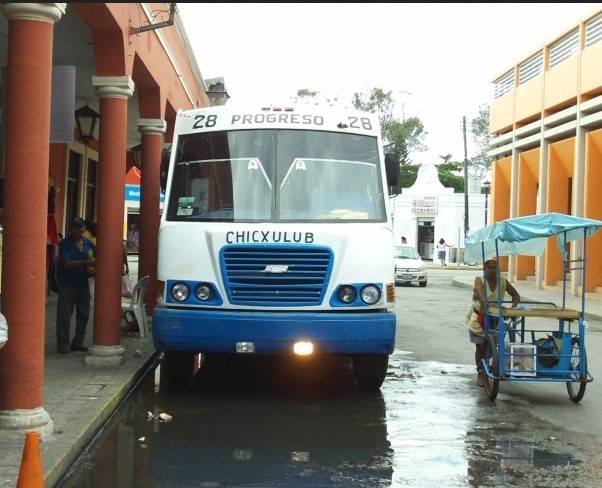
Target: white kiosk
{"type": "Point", "coordinates": [428, 211]}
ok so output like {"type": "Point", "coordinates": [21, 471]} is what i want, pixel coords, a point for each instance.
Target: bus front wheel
{"type": "Point", "coordinates": [179, 367]}
{"type": "Point", "coordinates": [369, 370]}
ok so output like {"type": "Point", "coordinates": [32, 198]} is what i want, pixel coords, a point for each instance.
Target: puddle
{"type": "Point", "coordinates": [444, 432]}
{"type": "Point", "coordinates": [265, 423]}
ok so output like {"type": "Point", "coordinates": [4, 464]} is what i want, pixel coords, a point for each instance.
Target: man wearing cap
{"type": "Point", "coordinates": [76, 257]}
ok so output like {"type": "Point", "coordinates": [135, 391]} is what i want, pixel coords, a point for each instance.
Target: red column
{"type": "Point", "coordinates": [113, 92]}
{"type": "Point", "coordinates": [26, 199]}
{"type": "Point", "coordinates": [152, 146]}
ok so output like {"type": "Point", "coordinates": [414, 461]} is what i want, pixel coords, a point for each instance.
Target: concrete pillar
{"type": "Point", "coordinates": [114, 92]}
{"type": "Point", "coordinates": [578, 203]}
{"type": "Point", "coordinates": [152, 146]}
{"type": "Point", "coordinates": [542, 199]}
{"type": "Point", "coordinates": [513, 199]}
{"type": "Point", "coordinates": [26, 205]}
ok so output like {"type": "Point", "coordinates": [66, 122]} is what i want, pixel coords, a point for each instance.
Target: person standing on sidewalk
{"type": "Point", "coordinates": [76, 256]}
{"type": "Point", "coordinates": [441, 250]}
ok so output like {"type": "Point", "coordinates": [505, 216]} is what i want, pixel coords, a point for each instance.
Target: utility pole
{"type": "Point", "coordinates": [465, 178]}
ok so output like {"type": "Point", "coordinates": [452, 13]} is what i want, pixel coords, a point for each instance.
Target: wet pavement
{"type": "Point", "coordinates": [290, 422]}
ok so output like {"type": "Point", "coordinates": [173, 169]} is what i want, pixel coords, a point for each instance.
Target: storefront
{"type": "Point", "coordinates": [131, 221]}
{"type": "Point", "coordinates": [81, 83]}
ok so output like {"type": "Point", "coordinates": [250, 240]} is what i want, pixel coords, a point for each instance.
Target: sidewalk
{"type": "Point", "coordinates": [449, 267]}
{"type": "Point", "coordinates": [593, 308]}
{"type": "Point", "coordinates": [78, 398]}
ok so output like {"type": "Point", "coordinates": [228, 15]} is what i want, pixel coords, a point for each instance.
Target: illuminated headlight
{"type": "Point", "coordinates": [303, 348]}
{"type": "Point", "coordinates": [370, 294]}
{"type": "Point", "coordinates": [203, 292]}
{"type": "Point", "coordinates": [180, 292]}
{"type": "Point", "coordinates": [347, 294]}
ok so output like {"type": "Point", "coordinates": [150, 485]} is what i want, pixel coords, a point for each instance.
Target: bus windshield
{"type": "Point", "coordinates": [276, 175]}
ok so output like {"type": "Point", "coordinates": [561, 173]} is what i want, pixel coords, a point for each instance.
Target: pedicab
{"type": "Point", "coordinates": [520, 352]}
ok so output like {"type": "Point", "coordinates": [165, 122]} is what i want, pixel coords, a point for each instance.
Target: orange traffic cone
{"type": "Point", "coordinates": [31, 473]}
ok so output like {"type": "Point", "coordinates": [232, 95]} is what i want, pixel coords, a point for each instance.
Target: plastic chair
{"type": "Point", "coordinates": [136, 305]}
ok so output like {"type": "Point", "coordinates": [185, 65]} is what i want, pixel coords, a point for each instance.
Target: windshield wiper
{"type": "Point", "coordinates": [252, 164]}
{"type": "Point", "coordinates": [301, 163]}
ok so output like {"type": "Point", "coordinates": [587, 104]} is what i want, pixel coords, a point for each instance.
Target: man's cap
{"type": "Point", "coordinates": [78, 222]}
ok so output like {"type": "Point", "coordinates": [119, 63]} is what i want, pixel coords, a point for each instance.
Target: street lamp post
{"type": "Point", "coordinates": [466, 226]}
{"type": "Point", "coordinates": [486, 187]}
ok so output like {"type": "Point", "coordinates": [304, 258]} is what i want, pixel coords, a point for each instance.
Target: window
{"type": "Point", "coordinates": [2, 176]}
{"type": "Point", "coordinates": [276, 175]}
{"type": "Point", "coordinates": [530, 68]}
{"type": "Point", "coordinates": [89, 212]}
{"type": "Point", "coordinates": [503, 84]}
{"type": "Point", "coordinates": [73, 182]}
{"type": "Point", "coordinates": [593, 30]}
{"type": "Point", "coordinates": [564, 48]}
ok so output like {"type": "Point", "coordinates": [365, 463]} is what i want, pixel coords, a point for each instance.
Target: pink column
{"type": "Point", "coordinates": [114, 92]}
{"type": "Point", "coordinates": [26, 199]}
{"type": "Point", "coordinates": [152, 146]}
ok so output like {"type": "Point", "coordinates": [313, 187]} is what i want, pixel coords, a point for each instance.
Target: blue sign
{"type": "Point", "coordinates": [132, 194]}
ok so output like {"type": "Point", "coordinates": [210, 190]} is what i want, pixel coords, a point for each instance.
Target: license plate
{"type": "Point", "coordinates": [406, 277]}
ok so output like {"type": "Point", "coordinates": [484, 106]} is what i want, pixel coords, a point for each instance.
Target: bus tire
{"type": "Point", "coordinates": [370, 370]}
{"type": "Point", "coordinates": [179, 367]}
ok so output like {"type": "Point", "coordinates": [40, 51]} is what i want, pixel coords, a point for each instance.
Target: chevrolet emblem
{"type": "Point", "coordinates": [276, 268]}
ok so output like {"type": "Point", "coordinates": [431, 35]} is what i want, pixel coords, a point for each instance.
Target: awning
{"type": "Point", "coordinates": [528, 235]}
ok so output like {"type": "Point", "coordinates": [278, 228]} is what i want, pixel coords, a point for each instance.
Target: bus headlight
{"type": "Point", "coordinates": [370, 294]}
{"type": "Point", "coordinates": [203, 292]}
{"type": "Point", "coordinates": [347, 294]}
{"type": "Point", "coordinates": [180, 292]}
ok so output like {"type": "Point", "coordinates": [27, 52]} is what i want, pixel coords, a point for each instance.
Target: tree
{"type": "Point", "coordinates": [479, 128]}
{"type": "Point", "coordinates": [377, 101]}
{"type": "Point", "coordinates": [447, 170]}
{"type": "Point", "coordinates": [401, 138]}
{"type": "Point", "coordinates": [304, 92]}
{"type": "Point", "coordinates": [305, 95]}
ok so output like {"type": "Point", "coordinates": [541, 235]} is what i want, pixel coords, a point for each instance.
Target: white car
{"type": "Point", "coordinates": [409, 267]}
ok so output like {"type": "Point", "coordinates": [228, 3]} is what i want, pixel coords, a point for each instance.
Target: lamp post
{"type": "Point", "coordinates": [466, 225]}
{"type": "Point", "coordinates": [486, 187]}
{"type": "Point", "coordinates": [86, 118]}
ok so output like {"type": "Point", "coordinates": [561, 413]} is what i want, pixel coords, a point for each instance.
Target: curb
{"type": "Point", "coordinates": [63, 466]}
{"type": "Point", "coordinates": [451, 268]}
{"type": "Point", "coordinates": [461, 284]}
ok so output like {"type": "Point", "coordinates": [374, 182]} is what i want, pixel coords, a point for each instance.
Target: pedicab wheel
{"type": "Point", "coordinates": [576, 389]}
{"type": "Point", "coordinates": [369, 370]}
{"type": "Point", "coordinates": [491, 385]}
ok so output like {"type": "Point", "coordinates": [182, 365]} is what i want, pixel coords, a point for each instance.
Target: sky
{"type": "Point", "coordinates": [438, 59]}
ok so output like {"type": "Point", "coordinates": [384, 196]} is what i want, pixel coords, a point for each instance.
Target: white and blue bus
{"type": "Point", "coordinates": [276, 238]}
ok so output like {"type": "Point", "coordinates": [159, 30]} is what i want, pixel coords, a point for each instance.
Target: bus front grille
{"type": "Point", "coordinates": [276, 275]}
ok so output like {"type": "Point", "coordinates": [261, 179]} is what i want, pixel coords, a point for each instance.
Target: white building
{"type": "Point", "coordinates": [428, 211]}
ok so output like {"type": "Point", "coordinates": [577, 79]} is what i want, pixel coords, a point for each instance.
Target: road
{"type": "Point", "coordinates": [264, 422]}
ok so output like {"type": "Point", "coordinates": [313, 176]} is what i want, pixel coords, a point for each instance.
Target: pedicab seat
{"type": "Point", "coordinates": [553, 313]}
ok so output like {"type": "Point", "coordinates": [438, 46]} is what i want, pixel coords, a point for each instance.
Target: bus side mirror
{"type": "Point", "coordinates": [165, 157]}
{"type": "Point", "coordinates": [392, 169]}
